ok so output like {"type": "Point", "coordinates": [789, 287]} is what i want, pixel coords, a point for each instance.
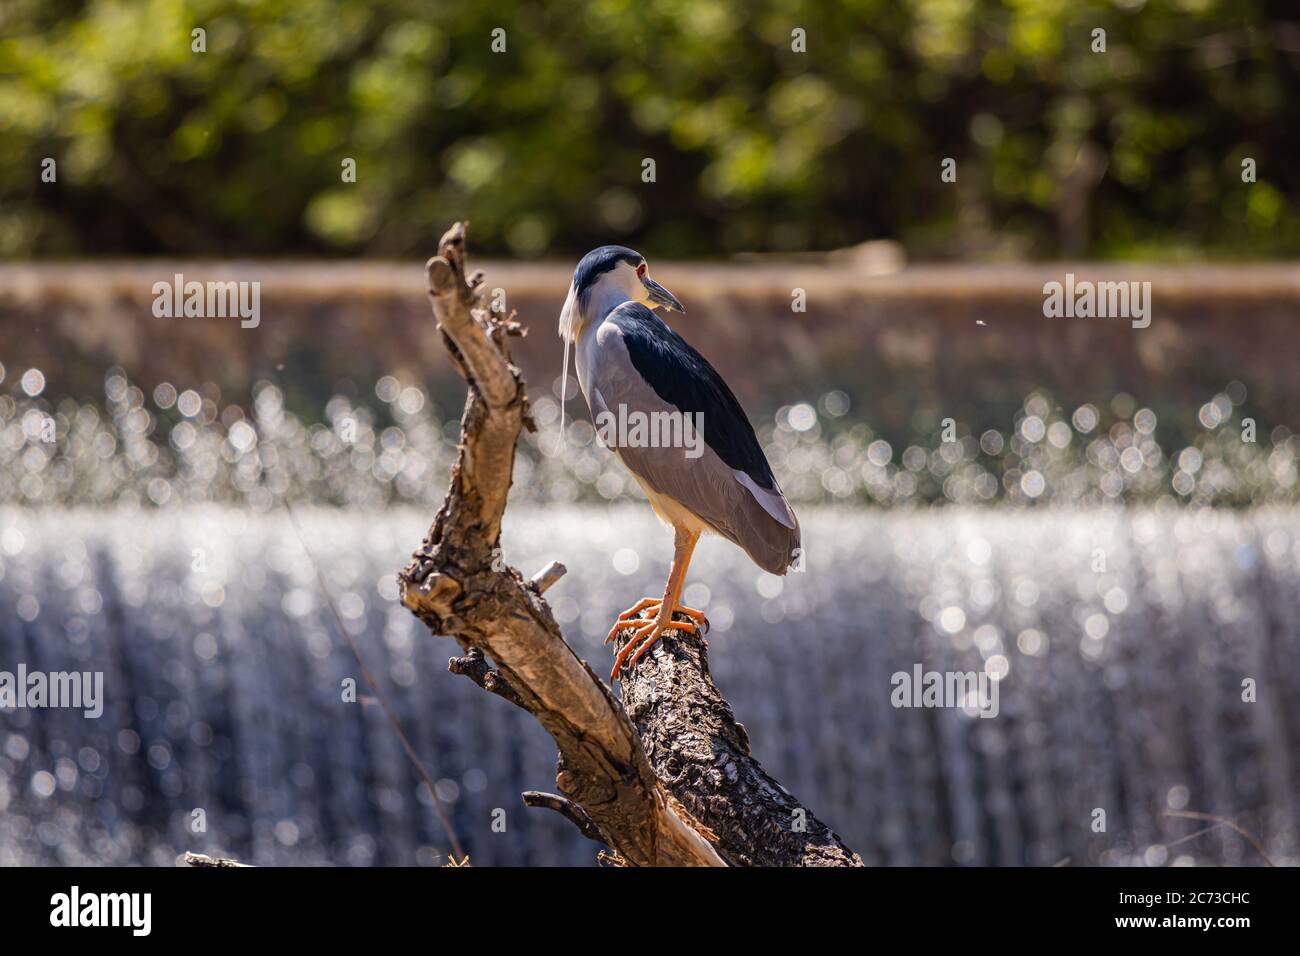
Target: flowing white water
{"type": "Point", "coordinates": [1124, 637]}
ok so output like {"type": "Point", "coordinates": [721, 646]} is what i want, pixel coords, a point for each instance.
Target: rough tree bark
{"type": "Point", "coordinates": [668, 781]}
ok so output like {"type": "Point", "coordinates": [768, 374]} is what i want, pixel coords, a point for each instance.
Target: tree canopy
{"type": "Point", "coordinates": [775, 126]}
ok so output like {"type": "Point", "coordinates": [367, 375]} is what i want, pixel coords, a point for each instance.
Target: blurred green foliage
{"type": "Point", "coordinates": [1134, 152]}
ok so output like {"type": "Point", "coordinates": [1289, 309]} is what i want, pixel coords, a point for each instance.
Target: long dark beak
{"type": "Point", "coordinates": [661, 296]}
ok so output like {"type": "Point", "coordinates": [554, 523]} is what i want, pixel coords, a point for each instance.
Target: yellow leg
{"type": "Point", "coordinates": [648, 632]}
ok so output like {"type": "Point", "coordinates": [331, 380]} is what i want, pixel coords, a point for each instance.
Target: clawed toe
{"type": "Point", "coordinates": [647, 632]}
{"type": "Point", "coordinates": [632, 616]}
{"type": "Point", "coordinates": [695, 615]}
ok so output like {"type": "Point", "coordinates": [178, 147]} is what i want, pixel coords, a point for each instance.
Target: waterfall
{"type": "Point", "coordinates": [1120, 638]}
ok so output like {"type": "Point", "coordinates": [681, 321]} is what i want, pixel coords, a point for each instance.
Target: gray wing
{"type": "Point", "coordinates": [725, 498]}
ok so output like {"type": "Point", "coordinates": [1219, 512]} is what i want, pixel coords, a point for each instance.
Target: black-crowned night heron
{"type": "Point", "coordinates": [644, 383]}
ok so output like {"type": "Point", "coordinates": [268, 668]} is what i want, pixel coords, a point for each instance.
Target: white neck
{"type": "Point", "coordinates": [602, 300]}
{"type": "Point", "coordinates": [576, 321]}
{"type": "Point", "coordinates": [599, 302]}
{"type": "Point", "coordinates": [610, 289]}
{"type": "Point", "coordinates": [579, 316]}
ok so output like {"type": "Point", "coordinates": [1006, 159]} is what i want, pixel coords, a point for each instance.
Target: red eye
{"type": "Point", "coordinates": [640, 270]}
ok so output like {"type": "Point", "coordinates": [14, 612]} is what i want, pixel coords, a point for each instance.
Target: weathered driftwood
{"type": "Point", "coordinates": [674, 783]}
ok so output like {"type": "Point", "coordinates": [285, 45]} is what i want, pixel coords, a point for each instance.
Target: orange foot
{"type": "Point", "coordinates": [645, 634]}
{"type": "Point", "coordinates": [654, 605]}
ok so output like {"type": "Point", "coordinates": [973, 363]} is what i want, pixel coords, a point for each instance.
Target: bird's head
{"type": "Point", "coordinates": [610, 276]}
{"type": "Point", "coordinates": [604, 279]}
